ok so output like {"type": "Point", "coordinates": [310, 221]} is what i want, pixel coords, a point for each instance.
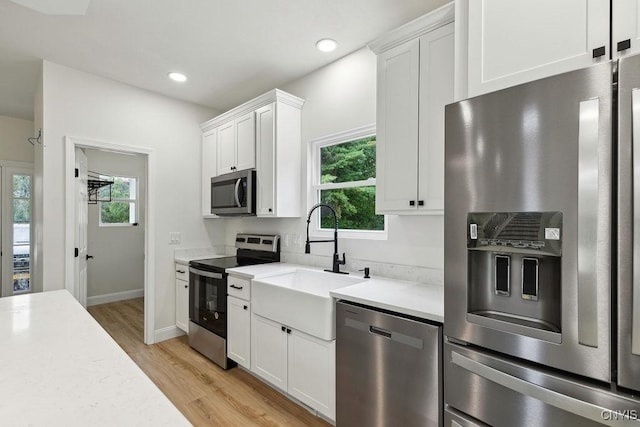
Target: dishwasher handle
{"type": "Point", "coordinates": [380, 331]}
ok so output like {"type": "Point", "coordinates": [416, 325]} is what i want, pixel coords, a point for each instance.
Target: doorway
{"type": "Point", "coordinates": [140, 212]}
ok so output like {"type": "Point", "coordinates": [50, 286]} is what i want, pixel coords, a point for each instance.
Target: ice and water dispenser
{"type": "Point", "coordinates": [514, 271]}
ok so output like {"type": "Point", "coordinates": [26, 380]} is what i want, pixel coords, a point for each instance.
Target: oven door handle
{"type": "Point", "coordinates": [548, 396]}
{"type": "Point", "coordinates": [205, 273]}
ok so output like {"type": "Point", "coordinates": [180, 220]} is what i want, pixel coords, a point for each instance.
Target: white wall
{"type": "Point", "coordinates": [88, 107]}
{"type": "Point", "coordinates": [13, 139]}
{"type": "Point", "coordinates": [339, 97]}
{"type": "Point", "coordinates": [118, 251]}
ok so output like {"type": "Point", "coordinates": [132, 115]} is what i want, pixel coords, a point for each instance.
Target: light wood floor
{"type": "Point", "coordinates": [206, 394]}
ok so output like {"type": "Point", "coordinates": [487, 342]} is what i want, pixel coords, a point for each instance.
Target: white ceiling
{"type": "Point", "coordinates": [231, 50]}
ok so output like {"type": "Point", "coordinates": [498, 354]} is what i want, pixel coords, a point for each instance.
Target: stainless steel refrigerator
{"type": "Point", "coordinates": [542, 252]}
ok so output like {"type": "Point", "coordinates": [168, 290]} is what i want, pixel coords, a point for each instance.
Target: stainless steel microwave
{"type": "Point", "coordinates": [234, 194]}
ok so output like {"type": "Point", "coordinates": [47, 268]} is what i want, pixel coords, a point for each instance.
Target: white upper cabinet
{"type": "Point", "coordinates": [279, 158]}
{"type": "Point", "coordinates": [508, 42]}
{"type": "Point", "coordinates": [264, 134]}
{"type": "Point", "coordinates": [415, 82]}
{"type": "Point", "coordinates": [625, 31]}
{"type": "Point", "coordinates": [237, 145]}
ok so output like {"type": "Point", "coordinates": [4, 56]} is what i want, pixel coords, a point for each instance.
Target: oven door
{"type": "Point", "coordinates": [208, 300]}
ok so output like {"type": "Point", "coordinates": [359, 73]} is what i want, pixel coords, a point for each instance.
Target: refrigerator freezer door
{"type": "Point", "coordinates": [629, 222]}
{"type": "Point", "coordinates": [519, 394]}
{"type": "Point", "coordinates": [536, 148]}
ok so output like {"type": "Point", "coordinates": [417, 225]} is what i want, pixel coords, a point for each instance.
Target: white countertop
{"type": "Point", "coordinates": [415, 299]}
{"type": "Point", "coordinates": [59, 367]}
{"type": "Point", "coordinates": [412, 298]}
{"type": "Point", "coordinates": [183, 256]}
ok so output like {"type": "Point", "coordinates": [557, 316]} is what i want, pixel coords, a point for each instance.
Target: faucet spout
{"type": "Point", "coordinates": [336, 257]}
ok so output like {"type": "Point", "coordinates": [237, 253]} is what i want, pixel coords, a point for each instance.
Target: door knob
{"type": "Point", "coordinates": [89, 257]}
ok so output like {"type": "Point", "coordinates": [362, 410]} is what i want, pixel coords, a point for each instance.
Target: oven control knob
{"type": "Point", "coordinates": [216, 315]}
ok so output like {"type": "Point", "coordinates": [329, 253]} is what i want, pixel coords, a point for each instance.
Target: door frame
{"type": "Point", "coordinates": [149, 220]}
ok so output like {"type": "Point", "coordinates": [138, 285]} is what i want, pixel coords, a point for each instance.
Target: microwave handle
{"type": "Point", "coordinates": [237, 196]}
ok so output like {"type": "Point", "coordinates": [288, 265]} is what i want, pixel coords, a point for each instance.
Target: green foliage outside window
{"type": "Point", "coordinates": [119, 210]}
{"type": "Point", "coordinates": [21, 199]}
{"type": "Point", "coordinates": [348, 162]}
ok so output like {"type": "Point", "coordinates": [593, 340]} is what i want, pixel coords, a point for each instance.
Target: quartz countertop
{"type": "Point", "coordinates": [183, 256]}
{"type": "Point", "coordinates": [415, 299]}
{"type": "Point", "coordinates": [421, 300]}
{"type": "Point", "coordinates": [59, 367]}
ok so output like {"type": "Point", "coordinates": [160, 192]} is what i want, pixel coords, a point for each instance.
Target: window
{"type": "Point", "coordinates": [344, 176]}
{"type": "Point", "coordinates": [21, 215]}
{"type": "Point", "coordinates": [122, 209]}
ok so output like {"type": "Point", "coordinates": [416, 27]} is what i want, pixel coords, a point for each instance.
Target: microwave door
{"type": "Point", "coordinates": [629, 223]}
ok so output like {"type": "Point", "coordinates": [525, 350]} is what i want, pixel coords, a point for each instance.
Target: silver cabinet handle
{"type": "Point", "coordinates": [550, 397]}
{"type": "Point", "coordinates": [588, 222]}
{"type": "Point", "coordinates": [635, 291]}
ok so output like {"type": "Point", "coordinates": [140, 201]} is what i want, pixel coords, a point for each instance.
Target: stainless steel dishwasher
{"type": "Point", "coordinates": [388, 368]}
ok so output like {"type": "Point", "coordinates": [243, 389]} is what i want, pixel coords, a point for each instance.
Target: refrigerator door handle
{"type": "Point", "coordinates": [588, 222]}
{"type": "Point", "coordinates": [550, 397]}
{"type": "Point", "coordinates": [635, 312]}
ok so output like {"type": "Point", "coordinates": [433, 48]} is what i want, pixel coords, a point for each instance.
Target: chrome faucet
{"type": "Point", "coordinates": [337, 262]}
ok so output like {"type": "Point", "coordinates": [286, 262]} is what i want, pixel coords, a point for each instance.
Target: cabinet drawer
{"type": "Point", "coordinates": [238, 287]}
{"type": "Point", "coordinates": [182, 272]}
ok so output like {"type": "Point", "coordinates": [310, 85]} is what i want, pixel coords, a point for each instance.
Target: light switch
{"type": "Point", "coordinates": [175, 237]}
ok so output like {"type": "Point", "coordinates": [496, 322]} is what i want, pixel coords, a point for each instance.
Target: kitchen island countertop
{"type": "Point", "coordinates": [59, 367]}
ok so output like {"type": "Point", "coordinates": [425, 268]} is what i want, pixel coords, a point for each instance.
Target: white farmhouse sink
{"type": "Point", "coordinates": [300, 300]}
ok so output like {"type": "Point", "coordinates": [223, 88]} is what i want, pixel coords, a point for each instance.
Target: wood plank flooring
{"type": "Point", "coordinates": [206, 394]}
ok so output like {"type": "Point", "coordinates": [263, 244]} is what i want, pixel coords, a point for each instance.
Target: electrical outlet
{"type": "Point", "coordinates": [175, 237]}
{"type": "Point", "coordinates": [285, 240]}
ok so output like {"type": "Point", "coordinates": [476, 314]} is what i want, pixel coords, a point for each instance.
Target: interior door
{"type": "Point", "coordinates": [629, 222]}
{"type": "Point", "coordinates": [82, 213]}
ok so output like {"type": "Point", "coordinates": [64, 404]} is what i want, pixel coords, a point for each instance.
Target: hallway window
{"type": "Point", "coordinates": [122, 209]}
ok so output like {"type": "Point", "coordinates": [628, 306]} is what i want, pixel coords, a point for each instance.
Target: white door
{"type": "Point", "coordinates": [397, 128]}
{"type": "Point", "coordinates": [226, 148]}
{"type": "Point", "coordinates": [245, 142]}
{"type": "Point", "coordinates": [269, 351]}
{"type": "Point", "coordinates": [81, 212]}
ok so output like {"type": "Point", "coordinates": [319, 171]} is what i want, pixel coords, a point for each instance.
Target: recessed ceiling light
{"type": "Point", "coordinates": [326, 45]}
{"type": "Point", "coordinates": [177, 77]}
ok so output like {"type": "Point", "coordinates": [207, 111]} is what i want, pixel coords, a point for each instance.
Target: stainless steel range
{"type": "Point", "coordinates": [542, 190]}
{"type": "Point", "coordinates": [208, 293]}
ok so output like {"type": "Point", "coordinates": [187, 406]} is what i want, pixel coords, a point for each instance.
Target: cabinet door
{"type": "Point", "coordinates": [436, 90]}
{"type": "Point", "coordinates": [226, 148]}
{"type": "Point", "coordinates": [625, 27]}
{"type": "Point", "coordinates": [515, 41]}
{"type": "Point", "coordinates": [312, 372]}
{"type": "Point", "coordinates": [209, 167]}
{"type": "Point", "coordinates": [265, 162]}
{"type": "Point", "coordinates": [182, 305]}
{"type": "Point", "coordinates": [269, 351]}
{"type": "Point", "coordinates": [245, 142]}
{"type": "Point", "coordinates": [239, 331]}
{"type": "Point", "coordinates": [397, 128]}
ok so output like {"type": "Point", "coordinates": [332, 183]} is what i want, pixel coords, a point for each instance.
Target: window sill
{"type": "Point", "coordinates": [349, 234]}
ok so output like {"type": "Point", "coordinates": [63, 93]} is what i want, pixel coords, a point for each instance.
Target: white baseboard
{"type": "Point", "coordinates": [167, 333]}
{"type": "Point", "coordinates": [116, 296]}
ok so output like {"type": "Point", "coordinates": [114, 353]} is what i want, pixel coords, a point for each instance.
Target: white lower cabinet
{"type": "Point", "coordinates": [239, 331]}
{"type": "Point", "coordinates": [295, 362]}
{"type": "Point", "coordinates": [182, 297]}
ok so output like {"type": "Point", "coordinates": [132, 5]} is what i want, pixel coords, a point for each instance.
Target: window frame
{"type": "Point", "coordinates": [121, 200]}
{"type": "Point", "coordinates": [315, 187]}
